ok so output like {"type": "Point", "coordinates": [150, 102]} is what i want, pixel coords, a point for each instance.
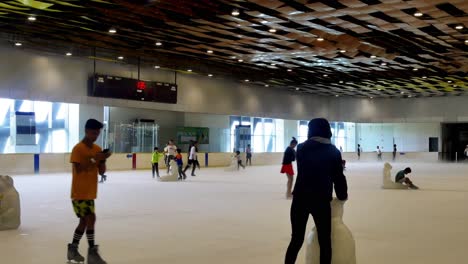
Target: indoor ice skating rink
{"type": "Point", "coordinates": [241, 217]}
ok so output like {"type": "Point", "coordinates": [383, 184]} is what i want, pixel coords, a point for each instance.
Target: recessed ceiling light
{"type": "Point", "coordinates": [418, 14]}
{"type": "Point", "coordinates": [424, 77]}
{"type": "Point", "coordinates": [247, 80]}
{"type": "Point", "coordinates": [210, 51]}
{"type": "Point", "coordinates": [289, 70]}
{"type": "Point", "coordinates": [272, 30]}
{"type": "Point", "coordinates": [112, 30]}
{"type": "Point", "coordinates": [264, 22]}
{"type": "Point", "coordinates": [459, 27]}
{"type": "Point", "coordinates": [466, 41]}
{"type": "Point", "coordinates": [371, 97]}
{"type": "Point", "coordinates": [341, 82]}
{"type": "Point", "coordinates": [325, 75]}
{"type": "Point", "coordinates": [157, 67]}
{"type": "Point", "coordinates": [409, 96]}
{"type": "Point", "coordinates": [415, 69]}
{"type": "Point", "coordinates": [235, 12]}
{"type": "Point", "coordinates": [18, 44]}
{"type": "Point", "coordinates": [297, 89]}
{"type": "Point", "coordinates": [336, 95]}
{"type": "Point", "coordinates": [273, 64]}
{"type": "Point", "coordinates": [342, 51]}
{"type": "Point", "coordinates": [238, 25]}
{"type": "Point", "coordinates": [189, 70]}
{"type": "Point", "coordinates": [320, 39]}
{"type": "Point", "coordinates": [120, 57]}
{"type": "Point", "coordinates": [379, 89]}
{"type": "Point", "coordinates": [32, 18]}
{"type": "Point", "coordinates": [158, 43]}
{"type": "Point", "coordinates": [240, 60]}
{"type": "Point", "coordinates": [384, 64]}
{"type": "Point", "coordinates": [69, 54]}
{"type": "Point", "coordinates": [402, 92]}
{"type": "Point", "coordinates": [449, 81]}
{"type": "Point", "coordinates": [373, 57]}
{"type": "Point", "coordinates": [266, 85]}
{"type": "Point", "coordinates": [210, 75]}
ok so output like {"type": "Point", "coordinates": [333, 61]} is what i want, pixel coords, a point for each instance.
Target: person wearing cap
{"type": "Point", "coordinates": [319, 170]}
{"type": "Point", "coordinates": [87, 160]}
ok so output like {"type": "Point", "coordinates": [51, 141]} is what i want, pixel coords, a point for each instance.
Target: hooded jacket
{"type": "Point", "coordinates": [319, 166]}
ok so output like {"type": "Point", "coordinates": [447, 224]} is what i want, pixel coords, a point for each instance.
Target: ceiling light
{"type": "Point", "coordinates": [189, 70]}
{"type": "Point", "coordinates": [373, 57]}
{"type": "Point", "coordinates": [289, 70]}
{"type": "Point", "coordinates": [32, 18]}
{"type": "Point", "coordinates": [424, 77]}
{"type": "Point", "coordinates": [112, 30]}
{"type": "Point", "coordinates": [415, 69]}
{"type": "Point", "coordinates": [402, 92]}
{"type": "Point", "coordinates": [273, 64]}
{"type": "Point", "coordinates": [266, 85]}
{"type": "Point", "coordinates": [69, 54]}
{"type": "Point", "coordinates": [337, 95]}
{"type": "Point", "coordinates": [18, 44]}
{"type": "Point", "coordinates": [233, 57]}
{"type": "Point", "coordinates": [158, 43]}
{"type": "Point", "coordinates": [384, 64]}
{"type": "Point", "coordinates": [409, 96]}
{"type": "Point", "coordinates": [210, 75]}
{"type": "Point", "coordinates": [418, 14]}
{"type": "Point", "coordinates": [210, 51]}
{"type": "Point", "coordinates": [272, 30]}
{"type": "Point", "coordinates": [235, 12]}
{"type": "Point", "coordinates": [341, 82]}
{"type": "Point", "coordinates": [459, 27]}
{"type": "Point", "coordinates": [466, 41]}
{"type": "Point", "coordinates": [297, 89]}
{"type": "Point", "coordinates": [247, 80]}
{"type": "Point", "coordinates": [264, 22]}
{"type": "Point", "coordinates": [120, 57]}
{"type": "Point", "coordinates": [157, 67]}
{"type": "Point", "coordinates": [449, 81]}
{"type": "Point", "coordinates": [320, 39]}
{"type": "Point", "coordinates": [371, 97]}
{"type": "Point", "coordinates": [325, 75]}
{"type": "Point", "coordinates": [379, 89]}
{"type": "Point", "coordinates": [342, 51]}
{"type": "Point", "coordinates": [240, 60]}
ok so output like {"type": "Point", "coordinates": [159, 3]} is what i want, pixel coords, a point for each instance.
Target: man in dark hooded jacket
{"type": "Point", "coordinates": [319, 169]}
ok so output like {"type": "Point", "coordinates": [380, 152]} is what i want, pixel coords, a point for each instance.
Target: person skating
{"type": "Point", "coordinates": [287, 167]}
{"type": "Point", "coordinates": [180, 164]}
{"type": "Point", "coordinates": [248, 155]}
{"type": "Point", "coordinates": [239, 160]}
{"type": "Point", "coordinates": [88, 161]}
{"type": "Point", "coordinates": [319, 170]}
{"type": "Point", "coordinates": [155, 157]}
{"type": "Point", "coordinates": [192, 158]}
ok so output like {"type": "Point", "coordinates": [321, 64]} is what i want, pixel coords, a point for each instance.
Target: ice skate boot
{"type": "Point", "coordinates": [94, 257]}
{"type": "Point", "coordinates": [73, 254]}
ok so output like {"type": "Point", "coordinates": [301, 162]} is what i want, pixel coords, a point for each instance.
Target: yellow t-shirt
{"type": "Point", "coordinates": [84, 184]}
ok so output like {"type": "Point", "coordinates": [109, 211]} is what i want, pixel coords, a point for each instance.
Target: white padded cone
{"type": "Point", "coordinates": [173, 172]}
{"type": "Point", "coordinates": [10, 211]}
{"type": "Point", "coordinates": [387, 182]}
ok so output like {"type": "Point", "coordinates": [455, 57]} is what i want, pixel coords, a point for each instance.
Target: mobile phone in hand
{"type": "Point", "coordinates": [106, 150]}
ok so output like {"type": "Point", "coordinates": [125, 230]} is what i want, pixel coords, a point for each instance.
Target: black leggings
{"type": "Point", "coordinates": [191, 163]}
{"type": "Point", "coordinates": [155, 169]}
{"type": "Point", "coordinates": [321, 212]}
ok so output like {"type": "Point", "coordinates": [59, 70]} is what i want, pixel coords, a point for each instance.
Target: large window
{"type": "Point", "coordinates": [343, 134]}
{"type": "Point", "coordinates": [266, 134]}
{"type": "Point", "coordinates": [48, 126]}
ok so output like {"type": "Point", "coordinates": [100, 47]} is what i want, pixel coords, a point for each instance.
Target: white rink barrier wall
{"type": "Point", "coordinates": [11, 164]}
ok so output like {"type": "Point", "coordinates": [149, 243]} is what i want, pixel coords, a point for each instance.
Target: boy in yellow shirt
{"type": "Point", "coordinates": [155, 157]}
{"type": "Point", "coordinates": [88, 160]}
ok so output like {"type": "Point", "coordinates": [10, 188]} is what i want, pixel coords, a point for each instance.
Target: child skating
{"type": "Point", "coordinates": [180, 164]}
{"type": "Point", "coordinates": [288, 157]}
{"type": "Point", "coordinates": [155, 157]}
{"type": "Point", "coordinates": [239, 160]}
{"type": "Point", "coordinates": [88, 160]}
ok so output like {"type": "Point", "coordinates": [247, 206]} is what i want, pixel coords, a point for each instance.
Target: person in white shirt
{"type": "Point", "coordinates": [192, 158]}
{"type": "Point", "coordinates": [171, 152]}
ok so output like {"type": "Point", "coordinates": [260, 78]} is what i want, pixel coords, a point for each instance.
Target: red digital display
{"type": "Point", "coordinates": [141, 85]}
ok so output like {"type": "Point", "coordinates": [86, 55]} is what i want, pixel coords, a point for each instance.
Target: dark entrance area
{"type": "Point", "coordinates": [454, 141]}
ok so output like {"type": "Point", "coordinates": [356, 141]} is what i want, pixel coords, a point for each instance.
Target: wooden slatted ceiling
{"type": "Point", "coordinates": [352, 32]}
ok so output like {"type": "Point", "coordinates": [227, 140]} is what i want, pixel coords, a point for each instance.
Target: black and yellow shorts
{"type": "Point", "coordinates": [83, 208]}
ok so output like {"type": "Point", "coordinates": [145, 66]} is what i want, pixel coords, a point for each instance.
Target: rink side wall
{"type": "Point", "coordinates": [17, 164]}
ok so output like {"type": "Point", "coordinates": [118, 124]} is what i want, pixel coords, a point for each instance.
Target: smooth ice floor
{"type": "Point", "coordinates": [241, 217]}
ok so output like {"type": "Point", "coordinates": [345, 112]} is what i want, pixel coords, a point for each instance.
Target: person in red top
{"type": "Point", "coordinates": [288, 158]}
{"type": "Point", "coordinates": [88, 160]}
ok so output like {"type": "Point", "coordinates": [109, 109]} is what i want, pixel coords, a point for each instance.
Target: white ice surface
{"type": "Point", "coordinates": [241, 217]}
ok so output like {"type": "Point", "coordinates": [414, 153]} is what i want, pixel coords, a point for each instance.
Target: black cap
{"type": "Point", "coordinates": [93, 124]}
{"type": "Point", "coordinates": [319, 127]}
